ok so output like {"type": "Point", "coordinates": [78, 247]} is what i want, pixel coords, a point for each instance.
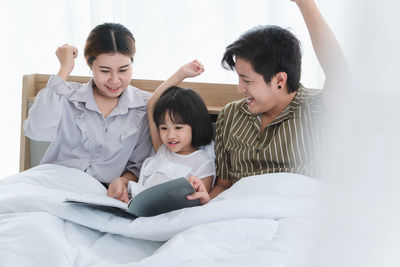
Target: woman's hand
{"type": "Point", "coordinates": [201, 191]}
{"type": "Point", "coordinates": [118, 189]}
{"type": "Point", "coordinates": [66, 55]}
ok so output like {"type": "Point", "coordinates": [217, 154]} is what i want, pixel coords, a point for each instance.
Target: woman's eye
{"type": "Point", "coordinates": [123, 70]}
{"type": "Point", "coordinates": [104, 71]}
{"type": "Point", "coordinates": [163, 128]}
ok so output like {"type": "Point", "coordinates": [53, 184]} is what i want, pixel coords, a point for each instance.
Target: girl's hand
{"type": "Point", "coordinates": [66, 55]}
{"type": "Point", "coordinates": [192, 69]}
{"type": "Point", "coordinates": [201, 191]}
{"type": "Point", "coordinates": [118, 189]}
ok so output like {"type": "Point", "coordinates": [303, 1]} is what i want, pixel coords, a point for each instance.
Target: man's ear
{"type": "Point", "coordinates": [279, 80]}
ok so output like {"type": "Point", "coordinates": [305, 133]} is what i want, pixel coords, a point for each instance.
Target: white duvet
{"type": "Point", "coordinates": [266, 220]}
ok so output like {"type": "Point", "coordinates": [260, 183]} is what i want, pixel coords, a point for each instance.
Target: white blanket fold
{"type": "Point", "coordinates": [38, 229]}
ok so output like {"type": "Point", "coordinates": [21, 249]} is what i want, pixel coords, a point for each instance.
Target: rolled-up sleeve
{"type": "Point", "coordinates": [45, 114]}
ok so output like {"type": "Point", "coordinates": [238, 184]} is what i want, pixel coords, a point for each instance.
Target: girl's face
{"type": "Point", "coordinates": [112, 74]}
{"type": "Point", "coordinates": [177, 137]}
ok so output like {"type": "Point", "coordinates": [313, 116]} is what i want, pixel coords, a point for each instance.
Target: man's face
{"type": "Point", "coordinates": [260, 96]}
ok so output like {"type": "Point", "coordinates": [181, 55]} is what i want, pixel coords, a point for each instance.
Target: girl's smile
{"type": "Point", "coordinates": [177, 137]}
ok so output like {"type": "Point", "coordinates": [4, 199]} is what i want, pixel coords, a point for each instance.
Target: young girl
{"type": "Point", "coordinates": [179, 125]}
{"type": "Point", "coordinates": [99, 127]}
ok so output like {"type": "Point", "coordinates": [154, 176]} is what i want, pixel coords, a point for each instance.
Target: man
{"type": "Point", "coordinates": [277, 127]}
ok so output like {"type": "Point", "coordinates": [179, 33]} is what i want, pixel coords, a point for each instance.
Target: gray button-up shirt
{"type": "Point", "coordinates": [66, 114]}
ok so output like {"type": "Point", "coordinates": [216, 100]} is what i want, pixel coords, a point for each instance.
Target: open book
{"type": "Point", "coordinates": [152, 201]}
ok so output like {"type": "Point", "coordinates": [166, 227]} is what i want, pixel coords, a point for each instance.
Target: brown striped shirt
{"type": "Point", "coordinates": [292, 142]}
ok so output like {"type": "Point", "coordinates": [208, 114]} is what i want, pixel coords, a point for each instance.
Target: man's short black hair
{"type": "Point", "coordinates": [185, 106]}
{"type": "Point", "coordinates": [269, 49]}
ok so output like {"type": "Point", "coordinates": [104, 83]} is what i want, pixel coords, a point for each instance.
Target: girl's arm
{"type": "Point", "coordinates": [326, 47]}
{"type": "Point", "coordinates": [201, 191]}
{"type": "Point", "coordinates": [191, 69]}
{"type": "Point", "coordinates": [207, 181]}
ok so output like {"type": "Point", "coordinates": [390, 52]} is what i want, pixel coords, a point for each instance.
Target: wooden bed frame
{"type": "Point", "coordinates": [214, 95]}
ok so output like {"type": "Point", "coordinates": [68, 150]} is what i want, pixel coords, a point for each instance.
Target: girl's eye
{"type": "Point", "coordinates": [124, 70]}
{"type": "Point", "coordinates": [247, 81]}
{"type": "Point", "coordinates": [163, 128]}
{"type": "Point", "coordinates": [178, 127]}
{"type": "Point", "coordinates": [104, 71]}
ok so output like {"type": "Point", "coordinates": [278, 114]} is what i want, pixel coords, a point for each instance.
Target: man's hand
{"type": "Point", "coordinates": [301, 2]}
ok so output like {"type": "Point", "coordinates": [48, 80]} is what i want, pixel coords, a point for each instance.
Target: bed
{"type": "Point", "coordinates": [265, 220]}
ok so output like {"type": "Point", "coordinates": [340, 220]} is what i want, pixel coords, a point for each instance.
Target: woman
{"type": "Point", "coordinates": [99, 127]}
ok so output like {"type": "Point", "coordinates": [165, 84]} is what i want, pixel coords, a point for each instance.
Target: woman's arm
{"type": "Point", "coordinates": [66, 55]}
{"type": "Point", "coordinates": [119, 186]}
{"type": "Point", "coordinates": [45, 114]}
{"type": "Point", "coordinates": [191, 69]}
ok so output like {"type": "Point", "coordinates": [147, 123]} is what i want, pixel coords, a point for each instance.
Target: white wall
{"type": "Point", "coordinates": [30, 32]}
{"type": "Point", "coordinates": [168, 34]}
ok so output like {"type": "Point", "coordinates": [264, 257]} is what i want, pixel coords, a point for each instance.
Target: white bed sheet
{"type": "Point", "coordinates": [267, 219]}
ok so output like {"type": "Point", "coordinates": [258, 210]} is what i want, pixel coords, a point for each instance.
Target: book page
{"type": "Point", "coordinates": [134, 188]}
{"type": "Point", "coordinates": [98, 200]}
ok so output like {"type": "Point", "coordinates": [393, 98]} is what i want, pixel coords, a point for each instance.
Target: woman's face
{"type": "Point", "coordinates": [112, 74]}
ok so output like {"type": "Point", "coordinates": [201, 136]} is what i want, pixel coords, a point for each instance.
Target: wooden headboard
{"type": "Point", "coordinates": [214, 95]}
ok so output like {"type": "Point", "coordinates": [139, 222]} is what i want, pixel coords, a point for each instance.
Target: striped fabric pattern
{"type": "Point", "coordinates": [291, 143]}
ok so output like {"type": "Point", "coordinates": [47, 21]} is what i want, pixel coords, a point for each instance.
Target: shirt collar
{"type": "Point", "coordinates": [130, 98]}
{"type": "Point", "coordinates": [85, 95]}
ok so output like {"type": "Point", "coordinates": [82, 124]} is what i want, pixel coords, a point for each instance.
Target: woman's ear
{"type": "Point", "coordinates": [87, 62]}
{"type": "Point", "coordinates": [279, 80]}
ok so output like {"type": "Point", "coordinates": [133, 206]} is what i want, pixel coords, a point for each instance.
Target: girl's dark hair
{"type": "Point", "coordinates": [109, 38]}
{"type": "Point", "coordinates": [269, 50]}
{"type": "Point", "coordinates": [185, 106]}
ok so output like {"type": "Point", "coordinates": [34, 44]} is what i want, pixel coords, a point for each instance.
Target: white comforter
{"type": "Point", "coordinates": [261, 220]}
